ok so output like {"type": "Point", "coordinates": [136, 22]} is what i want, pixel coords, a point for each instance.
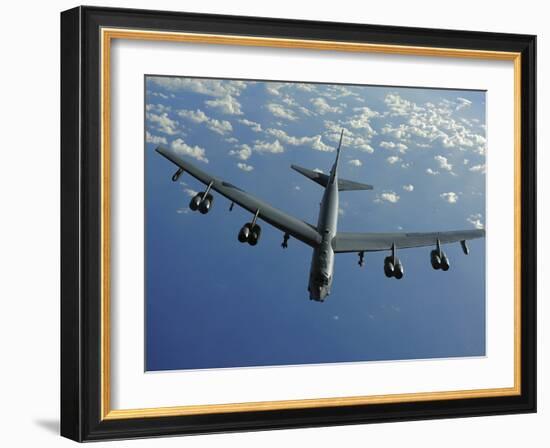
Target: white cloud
{"type": "Point", "coordinates": [224, 91]}
{"type": "Point", "coordinates": [478, 168]}
{"type": "Point", "coordinates": [155, 139]}
{"type": "Point", "coordinates": [366, 112]}
{"type": "Point", "coordinates": [322, 107]}
{"type": "Point", "coordinates": [289, 101]}
{"type": "Point", "coordinates": [475, 220]}
{"type": "Point", "coordinates": [387, 196]}
{"type": "Point", "coordinates": [335, 92]}
{"type": "Point", "coordinates": [190, 192]}
{"type": "Point", "coordinates": [272, 147]}
{"type": "Point", "coordinates": [162, 122]}
{"type": "Point", "coordinates": [432, 124]}
{"type": "Point", "coordinates": [244, 152]}
{"type": "Point", "coordinates": [198, 116]}
{"type": "Point", "coordinates": [288, 139]}
{"type": "Point", "coordinates": [219, 126]}
{"type": "Point", "coordinates": [256, 127]}
{"type": "Point", "coordinates": [462, 103]}
{"type": "Point", "coordinates": [274, 88]}
{"type": "Point", "coordinates": [210, 87]}
{"type": "Point", "coordinates": [350, 140]}
{"type": "Point", "coordinates": [393, 159]}
{"type": "Point", "coordinates": [399, 106]}
{"type": "Point", "coordinates": [400, 147]}
{"type": "Point", "coordinates": [159, 94]}
{"type": "Point", "coordinates": [193, 151]}
{"type": "Point", "coordinates": [227, 105]}
{"type": "Point", "coordinates": [319, 145]}
{"type": "Point", "coordinates": [450, 197]}
{"type": "Point", "coordinates": [157, 108]}
{"type": "Point", "coordinates": [408, 187]}
{"type": "Point", "coordinates": [315, 142]}
{"type": "Point", "coordinates": [390, 197]}
{"type": "Point", "coordinates": [231, 140]}
{"type": "Point", "coordinates": [355, 162]}
{"type": "Point", "coordinates": [443, 163]}
{"type": "Point", "coordinates": [306, 111]}
{"type": "Point", "coordinates": [305, 87]}
{"type": "Point", "coordinates": [245, 167]}
{"type": "Point", "coordinates": [361, 144]}
{"type": "Point", "coordinates": [432, 172]}
{"type": "Point", "coordinates": [361, 120]}
{"type": "Point", "coordinates": [281, 111]}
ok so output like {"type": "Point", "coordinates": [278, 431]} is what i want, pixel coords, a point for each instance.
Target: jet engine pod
{"type": "Point", "coordinates": [255, 233]}
{"type": "Point", "coordinates": [195, 202]}
{"type": "Point", "coordinates": [435, 259]}
{"type": "Point", "coordinates": [244, 233]}
{"type": "Point", "coordinates": [206, 204]}
{"type": "Point", "coordinates": [389, 268]}
{"type": "Point", "coordinates": [445, 262]}
{"type": "Point", "coordinates": [398, 271]}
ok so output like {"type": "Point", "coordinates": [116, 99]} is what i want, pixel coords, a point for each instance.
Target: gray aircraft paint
{"type": "Point", "coordinates": [322, 261]}
{"type": "Point", "coordinates": [324, 238]}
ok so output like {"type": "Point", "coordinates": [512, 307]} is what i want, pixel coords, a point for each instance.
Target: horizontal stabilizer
{"type": "Point", "coordinates": [322, 179]}
{"type": "Point", "coordinates": [348, 185]}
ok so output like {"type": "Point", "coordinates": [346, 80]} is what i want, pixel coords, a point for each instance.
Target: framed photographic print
{"type": "Point", "coordinates": [272, 223]}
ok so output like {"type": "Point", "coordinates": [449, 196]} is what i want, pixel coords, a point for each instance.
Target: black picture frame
{"type": "Point", "coordinates": [81, 382]}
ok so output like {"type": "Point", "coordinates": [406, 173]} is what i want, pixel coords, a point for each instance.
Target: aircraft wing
{"type": "Point", "coordinates": [370, 242]}
{"type": "Point", "coordinates": [289, 224]}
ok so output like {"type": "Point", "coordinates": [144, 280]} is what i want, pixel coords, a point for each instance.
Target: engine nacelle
{"type": "Point", "coordinates": [244, 233]}
{"type": "Point", "coordinates": [195, 202]}
{"type": "Point", "coordinates": [435, 259]}
{"type": "Point", "coordinates": [388, 267]}
{"type": "Point", "coordinates": [439, 260]}
{"type": "Point", "coordinates": [201, 202]}
{"type": "Point", "coordinates": [445, 265]}
{"type": "Point", "coordinates": [393, 268]}
{"type": "Point", "coordinates": [255, 233]}
{"type": "Point", "coordinates": [206, 204]}
{"type": "Point", "coordinates": [399, 271]}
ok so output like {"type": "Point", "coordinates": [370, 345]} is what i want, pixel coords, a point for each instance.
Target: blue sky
{"type": "Point", "coordinates": [212, 302]}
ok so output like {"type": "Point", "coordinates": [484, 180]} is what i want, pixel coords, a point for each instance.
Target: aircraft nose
{"type": "Point", "coordinates": [319, 294]}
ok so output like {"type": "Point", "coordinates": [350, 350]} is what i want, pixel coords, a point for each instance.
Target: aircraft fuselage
{"type": "Point", "coordinates": [322, 261]}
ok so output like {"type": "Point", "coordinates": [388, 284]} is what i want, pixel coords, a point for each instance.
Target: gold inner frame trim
{"type": "Point", "coordinates": [107, 35]}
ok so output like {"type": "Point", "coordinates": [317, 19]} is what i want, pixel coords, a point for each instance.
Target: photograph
{"type": "Point", "coordinates": [274, 223]}
{"type": "Point", "coordinates": [306, 223]}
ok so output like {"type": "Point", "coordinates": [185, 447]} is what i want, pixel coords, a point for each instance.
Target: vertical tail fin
{"type": "Point", "coordinates": [335, 166]}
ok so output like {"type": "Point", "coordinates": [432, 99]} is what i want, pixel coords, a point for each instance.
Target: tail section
{"type": "Point", "coordinates": [323, 179]}
{"type": "Point", "coordinates": [349, 185]}
{"type": "Point", "coordinates": [315, 176]}
{"type": "Point", "coordinates": [334, 170]}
